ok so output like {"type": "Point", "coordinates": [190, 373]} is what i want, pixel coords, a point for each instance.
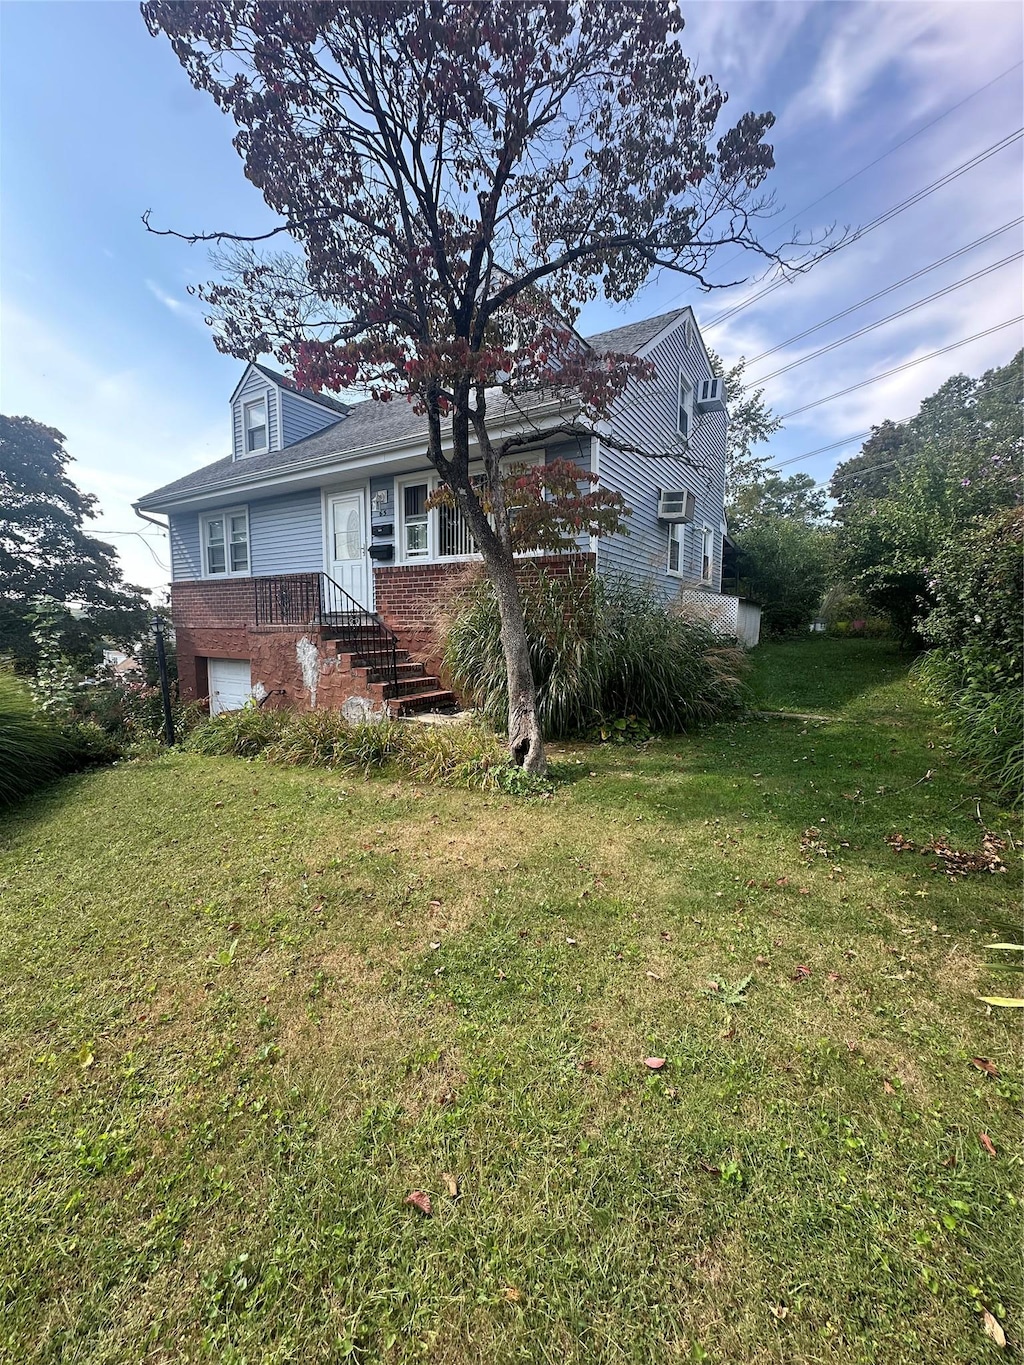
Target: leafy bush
{"type": "Point", "coordinates": [783, 565]}
{"type": "Point", "coordinates": [976, 667]}
{"type": "Point", "coordinates": [599, 651]}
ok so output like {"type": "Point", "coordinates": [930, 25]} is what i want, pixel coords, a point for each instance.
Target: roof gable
{"type": "Point", "coordinates": [282, 381]}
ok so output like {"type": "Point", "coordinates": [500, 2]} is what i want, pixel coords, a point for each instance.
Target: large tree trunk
{"type": "Point", "coordinates": [525, 739]}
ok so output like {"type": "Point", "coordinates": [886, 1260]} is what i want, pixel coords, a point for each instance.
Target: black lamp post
{"type": "Point", "coordinates": [165, 686]}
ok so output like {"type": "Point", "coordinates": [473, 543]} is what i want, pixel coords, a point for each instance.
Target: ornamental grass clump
{"type": "Point", "coordinates": [246, 733]}
{"type": "Point", "coordinates": [30, 745]}
{"type": "Point", "coordinates": [461, 755]}
{"type": "Point", "coordinates": [600, 650]}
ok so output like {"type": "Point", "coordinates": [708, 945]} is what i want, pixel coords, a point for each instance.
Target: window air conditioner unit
{"type": "Point", "coordinates": [711, 395]}
{"type": "Point", "coordinates": [675, 505]}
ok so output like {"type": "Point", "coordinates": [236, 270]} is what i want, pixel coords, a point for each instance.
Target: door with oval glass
{"type": "Point", "coordinates": [348, 562]}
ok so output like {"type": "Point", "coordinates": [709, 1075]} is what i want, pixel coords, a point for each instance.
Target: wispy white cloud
{"type": "Point", "coordinates": [126, 433]}
{"type": "Point", "coordinates": [922, 53]}
{"type": "Point", "coordinates": [188, 312]}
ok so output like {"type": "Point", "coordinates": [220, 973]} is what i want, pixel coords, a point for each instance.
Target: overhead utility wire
{"type": "Point", "coordinates": [900, 313]}
{"type": "Point", "coordinates": [871, 164]}
{"type": "Point", "coordinates": [863, 435]}
{"type": "Point", "coordinates": [871, 298]}
{"type": "Point", "coordinates": [897, 369]}
{"type": "Point", "coordinates": [879, 221]}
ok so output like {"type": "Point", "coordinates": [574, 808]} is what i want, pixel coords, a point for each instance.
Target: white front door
{"type": "Point", "coordinates": [348, 560]}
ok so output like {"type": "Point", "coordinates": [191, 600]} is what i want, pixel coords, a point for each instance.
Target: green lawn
{"type": "Point", "coordinates": [244, 1011]}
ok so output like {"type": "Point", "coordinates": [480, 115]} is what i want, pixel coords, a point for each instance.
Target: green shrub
{"type": "Point", "coordinates": [783, 565]}
{"type": "Point", "coordinates": [600, 651]}
{"type": "Point", "coordinates": [975, 669]}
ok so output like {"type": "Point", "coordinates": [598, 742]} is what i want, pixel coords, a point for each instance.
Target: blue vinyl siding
{"type": "Point", "coordinates": [286, 533]}
{"type": "Point", "coordinates": [186, 562]}
{"type": "Point", "coordinates": [300, 418]}
{"type": "Point", "coordinates": [383, 483]}
{"type": "Point", "coordinates": [576, 449]}
{"type": "Point", "coordinates": [255, 386]}
{"type": "Point", "coordinates": [285, 536]}
{"type": "Point", "coordinates": [647, 416]}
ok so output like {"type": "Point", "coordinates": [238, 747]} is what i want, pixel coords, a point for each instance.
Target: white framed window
{"type": "Point", "coordinates": [254, 424]}
{"type": "Point", "coordinates": [416, 519]}
{"type": "Point", "coordinates": [440, 533]}
{"type": "Point", "coordinates": [707, 554]}
{"type": "Point", "coordinates": [225, 543]}
{"type": "Point", "coordinates": [676, 531]}
{"type": "Point", "coordinates": [684, 423]}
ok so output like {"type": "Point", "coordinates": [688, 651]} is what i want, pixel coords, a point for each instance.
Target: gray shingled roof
{"type": "Point", "coordinates": [633, 336]}
{"type": "Point", "coordinates": [324, 399]}
{"type": "Point", "coordinates": [364, 424]}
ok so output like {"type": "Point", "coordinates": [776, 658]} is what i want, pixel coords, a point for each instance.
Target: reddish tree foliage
{"type": "Point", "coordinates": [459, 177]}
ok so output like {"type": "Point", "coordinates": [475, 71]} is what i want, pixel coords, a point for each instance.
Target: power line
{"type": "Point", "coordinates": [902, 312]}
{"type": "Point", "coordinates": [871, 164]}
{"type": "Point", "coordinates": [879, 221]}
{"type": "Point", "coordinates": [871, 298]}
{"type": "Point", "coordinates": [863, 435]}
{"type": "Point", "coordinates": [145, 538]}
{"type": "Point", "coordinates": [918, 360]}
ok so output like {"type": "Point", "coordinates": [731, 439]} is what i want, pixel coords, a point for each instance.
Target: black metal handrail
{"type": "Point", "coordinates": [316, 601]}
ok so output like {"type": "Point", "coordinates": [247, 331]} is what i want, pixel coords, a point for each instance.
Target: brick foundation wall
{"type": "Point", "coordinates": [214, 620]}
{"type": "Point", "coordinates": [410, 597]}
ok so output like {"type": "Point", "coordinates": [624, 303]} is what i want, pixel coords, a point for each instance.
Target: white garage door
{"type": "Point", "coordinates": [230, 684]}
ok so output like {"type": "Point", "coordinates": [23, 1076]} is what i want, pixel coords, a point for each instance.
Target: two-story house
{"type": "Point", "coordinates": [307, 566]}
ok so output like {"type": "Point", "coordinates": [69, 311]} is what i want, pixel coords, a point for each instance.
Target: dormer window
{"type": "Point", "coordinates": [254, 420]}
{"type": "Point", "coordinates": [685, 420]}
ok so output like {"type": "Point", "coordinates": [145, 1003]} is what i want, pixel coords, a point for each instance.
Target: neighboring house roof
{"type": "Point", "coordinates": [633, 336]}
{"type": "Point", "coordinates": [367, 424]}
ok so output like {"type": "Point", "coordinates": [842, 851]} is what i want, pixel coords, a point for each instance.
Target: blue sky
{"type": "Point", "coordinates": [100, 338]}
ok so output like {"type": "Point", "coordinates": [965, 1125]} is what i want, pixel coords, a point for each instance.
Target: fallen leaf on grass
{"type": "Point", "coordinates": [983, 1064]}
{"type": "Point", "coordinates": [450, 1183]}
{"type": "Point", "coordinates": [655, 976]}
{"type": "Point", "coordinates": [993, 1329]}
{"type": "Point", "coordinates": [889, 1089]}
{"type": "Point", "coordinates": [420, 1200]}
{"type": "Point", "coordinates": [511, 1293]}
{"type": "Point", "coordinates": [835, 978]}
{"type": "Point", "coordinates": [711, 1170]}
{"type": "Point", "coordinates": [781, 881]}
{"type": "Point", "coordinates": [779, 1311]}
{"type": "Point", "coordinates": [571, 942]}
{"type": "Point", "coordinates": [654, 1063]}
{"type": "Point", "coordinates": [761, 960]}
{"type": "Point", "coordinates": [1003, 1002]}
{"type": "Point", "coordinates": [801, 973]}
{"type": "Point", "coordinates": [804, 890]}
{"type": "Point", "coordinates": [987, 1143]}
